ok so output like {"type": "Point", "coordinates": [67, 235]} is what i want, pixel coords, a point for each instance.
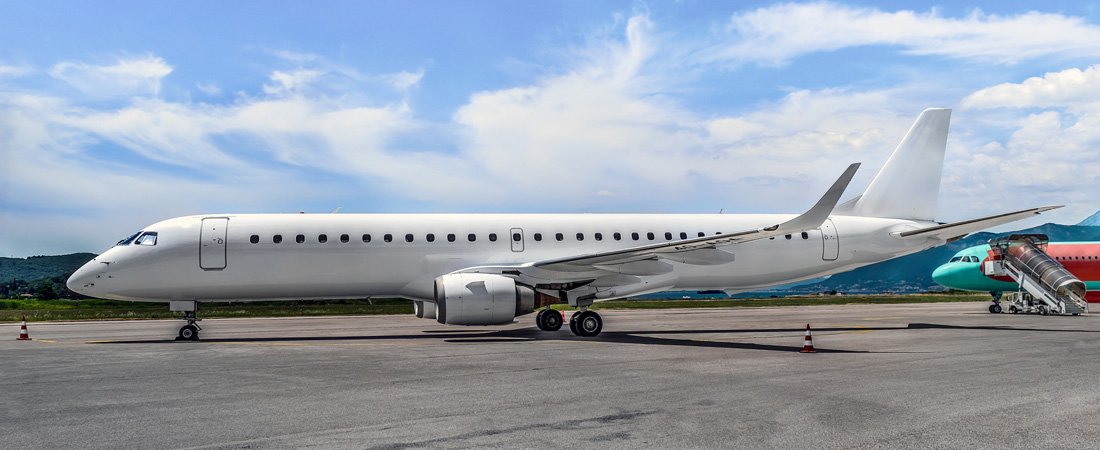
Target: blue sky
{"type": "Point", "coordinates": [115, 115]}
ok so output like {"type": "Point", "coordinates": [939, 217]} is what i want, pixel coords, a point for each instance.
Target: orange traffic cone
{"type": "Point", "coordinates": [808, 347]}
{"type": "Point", "coordinates": [23, 336]}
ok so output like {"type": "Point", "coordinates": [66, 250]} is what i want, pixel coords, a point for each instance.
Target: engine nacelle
{"type": "Point", "coordinates": [424, 310]}
{"type": "Point", "coordinates": [480, 299]}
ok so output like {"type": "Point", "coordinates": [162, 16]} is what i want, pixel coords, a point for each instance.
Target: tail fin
{"type": "Point", "coordinates": [908, 185]}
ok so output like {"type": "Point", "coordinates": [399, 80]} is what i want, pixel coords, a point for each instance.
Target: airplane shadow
{"type": "Point", "coordinates": [648, 337]}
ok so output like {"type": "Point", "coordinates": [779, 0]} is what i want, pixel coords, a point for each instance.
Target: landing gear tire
{"type": "Point", "coordinates": [188, 333]}
{"type": "Point", "coordinates": [995, 308]}
{"type": "Point", "coordinates": [548, 320]}
{"type": "Point", "coordinates": [586, 324]}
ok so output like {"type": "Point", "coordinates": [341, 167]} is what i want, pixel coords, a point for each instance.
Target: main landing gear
{"type": "Point", "coordinates": [189, 332]}
{"type": "Point", "coordinates": [583, 323]}
{"type": "Point", "coordinates": [549, 320]}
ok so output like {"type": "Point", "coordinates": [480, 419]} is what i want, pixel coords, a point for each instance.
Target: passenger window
{"type": "Point", "coordinates": [300, 238]}
{"type": "Point", "coordinates": [538, 237]}
{"type": "Point", "coordinates": [387, 237]}
{"type": "Point", "coordinates": [559, 236]}
{"type": "Point", "coordinates": [805, 235]}
{"type": "Point", "coordinates": [409, 237]}
{"type": "Point", "coordinates": [683, 235]}
{"type": "Point", "coordinates": [345, 238]}
{"type": "Point", "coordinates": [471, 237]}
{"type": "Point", "coordinates": [580, 236]}
{"type": "Point", "coordinates": [366, 238]}
{"type": "Point", "coordinates": [430, 237]}
{"type": "Point", "coordinates": [255, 239]}
{"type": "Point", "coordinates": [702, 234]}
{"type": "Point", "coordinates": [617, 236]}
{"type": "Point", "coordinates": [450, 237]}
{"type": "Point", "coordinates": [634, 235]}
{"type": "Point", "coordinates": [322, 238]}
{"type": "Point", "coordinates": [492, 237]}
{"type": "Point", "coordinates": [150, 238]}
{"type": "Point", "coordinates": [649, 235]}
{"type": "Point", "coordinates": [598, 236]}
{"type": "Point", "coordinates": [516, 237]}
{"type": "Point", "coordinates": [277, 239]}
{"type": "Point", "coordinates": [788, 237]}
{"type": "Point", "coordinates": [668, 236]}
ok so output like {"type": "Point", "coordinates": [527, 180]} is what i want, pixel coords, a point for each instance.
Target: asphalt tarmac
{"type": "Point", "coordinates": [885, 376]}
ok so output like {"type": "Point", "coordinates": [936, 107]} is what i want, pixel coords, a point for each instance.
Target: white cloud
{"type": "Point", "coordinates": [404, 80]}
{"type": "Point", "coordinates": [126, 77]}
{"type": "Point", "coordinates": [291, 81]}
{"type": "Point", "coordinates": [775, 34]}
{"type": "Point", "coordinates": [1070, 87]}
{"type": "Point", "coordinates": [208, 89]}
{"type": "Point", "coordinates": [14, 71]}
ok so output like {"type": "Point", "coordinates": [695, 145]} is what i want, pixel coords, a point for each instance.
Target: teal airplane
{"type": "Point", "coordinates": [964, 270]}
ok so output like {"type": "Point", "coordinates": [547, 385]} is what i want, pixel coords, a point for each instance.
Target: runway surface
{"type": "Point", "coordinates": [887, 376]}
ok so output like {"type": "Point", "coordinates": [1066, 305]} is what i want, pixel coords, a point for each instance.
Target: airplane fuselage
{"type": "Point", "coordinates": [328, 256]}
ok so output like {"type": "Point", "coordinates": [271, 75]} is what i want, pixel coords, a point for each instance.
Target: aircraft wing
{"type": "Point", "coordinates": [957, 230]}
{"type": "Point", "coordinates": [692, 251]}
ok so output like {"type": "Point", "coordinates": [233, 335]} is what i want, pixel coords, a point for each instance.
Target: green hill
{"type": "Point", "coordinates": [36, 267]}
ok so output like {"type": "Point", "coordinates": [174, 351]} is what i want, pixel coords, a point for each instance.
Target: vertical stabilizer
{"type": "Point", "coordinates": [908, 185]}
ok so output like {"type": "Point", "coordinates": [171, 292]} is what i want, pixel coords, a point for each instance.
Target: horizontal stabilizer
{"type": "Point", "coordinates": [957, 230]}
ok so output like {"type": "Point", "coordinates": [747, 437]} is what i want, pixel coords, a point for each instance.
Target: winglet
{"type": "Point", "coordinates": [819, 212]}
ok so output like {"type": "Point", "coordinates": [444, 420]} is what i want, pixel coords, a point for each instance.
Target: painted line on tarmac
{"type": "Point", "coordinates": [317, 344]}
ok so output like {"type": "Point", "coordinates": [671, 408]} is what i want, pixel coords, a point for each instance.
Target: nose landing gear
{"type": "Point", "coordinates": [189, 332]}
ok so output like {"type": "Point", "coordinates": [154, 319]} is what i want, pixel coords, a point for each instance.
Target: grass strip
{"type": "Point", "coordinates": [62, 310]}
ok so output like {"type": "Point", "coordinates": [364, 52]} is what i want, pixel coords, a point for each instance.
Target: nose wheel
{"type": "Point", "coordinates": [189, 332]}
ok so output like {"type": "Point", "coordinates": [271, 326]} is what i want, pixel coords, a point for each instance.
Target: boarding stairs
{"type": "Point", "coordinates": [1023, 258]}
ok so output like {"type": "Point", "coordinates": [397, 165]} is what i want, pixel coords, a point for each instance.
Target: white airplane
{"type": "Point", "coordinates": [487, 269]}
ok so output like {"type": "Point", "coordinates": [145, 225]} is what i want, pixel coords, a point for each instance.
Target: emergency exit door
{"type": "Point", "coordinates": [212, 243]}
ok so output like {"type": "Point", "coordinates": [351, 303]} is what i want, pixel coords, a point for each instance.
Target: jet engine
{"type": "Point", "coordinates": [424, 310]}
{"type": "Point", "coordinates": [480, 299]}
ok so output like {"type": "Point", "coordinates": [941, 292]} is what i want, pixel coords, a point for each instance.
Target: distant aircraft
{"type": "Point", "coordinates": [487, 269]}
{"type": "Point", "coordinates": [964, 270]}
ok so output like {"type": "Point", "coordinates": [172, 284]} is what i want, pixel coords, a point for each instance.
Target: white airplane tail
{"type": "Point", "coordinates": [908, 185]}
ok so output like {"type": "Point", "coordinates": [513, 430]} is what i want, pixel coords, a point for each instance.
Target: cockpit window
{"type": "Point", "coordinates": [956, 259]}
{"type": "Point", "coordinates": [147, 238]}
{"type": "Point", "coordinates": [128, 240]}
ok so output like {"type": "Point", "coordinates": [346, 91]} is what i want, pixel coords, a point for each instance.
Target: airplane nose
{"type": "Point", "coordinates": [83, 280]}
{"type": "Point", "coordinates": [942, 275]}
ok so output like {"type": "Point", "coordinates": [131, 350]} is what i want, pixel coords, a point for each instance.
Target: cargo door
{"type": "Point", "coordinates": [212, 243]}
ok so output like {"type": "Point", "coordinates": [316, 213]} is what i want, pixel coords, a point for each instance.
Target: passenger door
{"type": "Point", "coordinates": [212, 248]}
{"type": "Point", "coordinates": [830, 242]}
